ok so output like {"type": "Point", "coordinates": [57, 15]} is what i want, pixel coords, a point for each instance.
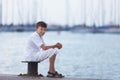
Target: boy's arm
{"type": "Point", "coordinates": [44, 47]}
{"type": "Point", "coordinates": [58, 45]}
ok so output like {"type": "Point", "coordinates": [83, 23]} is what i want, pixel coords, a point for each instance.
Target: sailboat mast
{"type": "Point", "coordinates": [103, 12]}
{"type": "Point", "coordinates": [118, 13]}
{"type": "Point", "coordinates": [67, 13]}
{"type": "Point", "coordinates": [6, 11]}
{"type": "Point", "coordinates": [41, 9]}
{"type": "Point", "coordinates": [115, 3]}
{"type": "Point", "coordinates": [111, 12]}
{"type": "Point", "coordinates": [85, 16]}
{"type": "Point", "coordinates": [0, 12]}
{"type": "Point", "coordinates": [12, 13]}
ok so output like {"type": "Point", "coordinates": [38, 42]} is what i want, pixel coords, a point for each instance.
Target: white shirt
{"type": "Point", "coordinates": [33, 46]}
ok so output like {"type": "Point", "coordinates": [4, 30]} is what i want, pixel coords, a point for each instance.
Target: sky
{"type": "Point", "coordinates": [71, 12]}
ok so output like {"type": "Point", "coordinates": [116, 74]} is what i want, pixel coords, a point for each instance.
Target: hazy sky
{"type": "Point", "coordinates": [61, 11]}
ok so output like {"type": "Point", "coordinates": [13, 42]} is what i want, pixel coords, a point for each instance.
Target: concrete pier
{"type": "Point", "coordinates": [16, 77]}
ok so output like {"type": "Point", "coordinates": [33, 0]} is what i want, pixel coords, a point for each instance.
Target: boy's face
{"type": "Point", "coordinates": [41, 30]}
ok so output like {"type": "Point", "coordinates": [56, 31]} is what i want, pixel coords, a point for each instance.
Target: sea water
{"type": "Point", "coordinates": [82, 56]}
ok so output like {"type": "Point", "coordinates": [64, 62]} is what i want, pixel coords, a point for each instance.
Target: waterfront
{"type": "Point", "coordinates": [83, 55]}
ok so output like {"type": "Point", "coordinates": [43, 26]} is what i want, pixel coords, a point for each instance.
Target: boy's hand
{"type": "Point", "coordinates": [59, 45]}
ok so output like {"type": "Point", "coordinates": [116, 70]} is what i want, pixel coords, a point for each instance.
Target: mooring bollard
{"type": "Point", "coordinates": [32, 69]}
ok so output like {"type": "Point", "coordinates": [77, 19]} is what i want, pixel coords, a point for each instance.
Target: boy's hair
{"type": "Point", "coordinates": [41, 24]}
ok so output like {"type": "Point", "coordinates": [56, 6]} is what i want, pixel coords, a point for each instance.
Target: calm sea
{"type": "Point", "coordinates": [82, 55]}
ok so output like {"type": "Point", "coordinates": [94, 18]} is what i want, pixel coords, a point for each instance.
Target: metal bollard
{"type": "Point", "coordinates": [32, 68]}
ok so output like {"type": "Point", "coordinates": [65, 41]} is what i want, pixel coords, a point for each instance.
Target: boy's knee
{"type": "Point", "coordinates": [53, 51]}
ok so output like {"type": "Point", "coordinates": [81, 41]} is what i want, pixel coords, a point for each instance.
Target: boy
{"type": "Point", "coordinates": [37, 50]}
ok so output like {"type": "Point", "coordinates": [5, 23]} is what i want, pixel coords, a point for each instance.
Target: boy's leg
{"type": "Point", "coordinates": [52, 64]}
{"type": "Point", "coordinates": [52, 72]}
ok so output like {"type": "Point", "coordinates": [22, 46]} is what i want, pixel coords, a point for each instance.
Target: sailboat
{"type": "Point", "coordinates": [82, 28]}
{"type": "Point", "coordinates": [113, 27]}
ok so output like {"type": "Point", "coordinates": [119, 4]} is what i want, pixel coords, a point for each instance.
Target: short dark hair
{"type": "Point", "coordinates": [41, 24]}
